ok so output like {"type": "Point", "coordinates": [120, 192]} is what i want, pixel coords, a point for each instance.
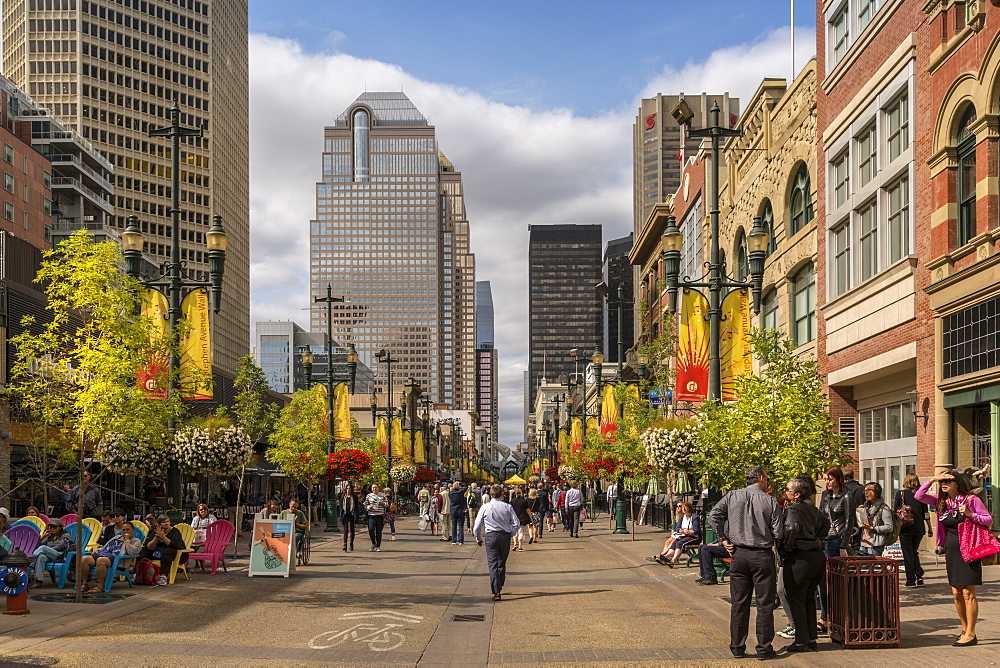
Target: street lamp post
{"type": "Point", "coordinates": [385, 357]}
{"type": "Point", "coordinates": [173, 278]}
{"type": "Point", "coordinates": [718, 282]}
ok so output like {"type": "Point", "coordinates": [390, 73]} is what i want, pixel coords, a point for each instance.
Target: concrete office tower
{"type": "Point", "coordinates": [391, 237]}
{"type": "Point", "coordinates": [486, 362]}
{"type": "Point", "coordinates": [564, 309]}
{"type": "Point", "coordinates": [618, 273]}
{"type": "Point", "coordinates": [656, 146]}
{"type": "Point", "coordinates": [111, 69]}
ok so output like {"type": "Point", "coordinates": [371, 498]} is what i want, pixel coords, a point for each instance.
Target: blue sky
{"type": "Point", "coordinates": [533, 103]}
{"type": "Point", "coordinates": [588, 56]}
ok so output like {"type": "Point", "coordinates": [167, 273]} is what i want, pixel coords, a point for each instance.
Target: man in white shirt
{"type": "Point", "coordinates": [498, 521]}
{"type": "Point", "coordinates": [574, 504]}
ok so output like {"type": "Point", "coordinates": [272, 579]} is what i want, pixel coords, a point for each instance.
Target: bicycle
{"type": "Point", "coordinates": [303, 550]}
{"type": "Point", "coordinates": [408, 508]}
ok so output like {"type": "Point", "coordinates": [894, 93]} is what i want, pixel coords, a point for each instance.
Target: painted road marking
{"type": "Point", "coordinates": [381, 637]}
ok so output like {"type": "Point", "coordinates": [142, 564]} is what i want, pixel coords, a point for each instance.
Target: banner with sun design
{"type": "Point", "coordinates": [692, 348]}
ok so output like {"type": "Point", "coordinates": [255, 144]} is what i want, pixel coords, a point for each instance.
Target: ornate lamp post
{"type": "Point", "coordinates": [719, 285]}
{"type": "Point", "coordinates": [173, 279]}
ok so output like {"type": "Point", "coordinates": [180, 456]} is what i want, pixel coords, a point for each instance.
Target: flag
{"type": "Point", "coordinates": [564, 447]}
{"type": "Point", "coordinates": [341, 413]}
{"type": "Point", "coordinates": [196, 346]}
{"type": "Point", "coordinates": [734, 342]}
{"type": "Point", "coordinates": [397, 438]}
{"type": "Point", "coordinates": [153, 377]}
{"type": "Point", "coordinates": [382, 434]}
{"type": "Point", "coordinates": [609, 410]}
{"type": "Point", "coordinates": [692, 348]}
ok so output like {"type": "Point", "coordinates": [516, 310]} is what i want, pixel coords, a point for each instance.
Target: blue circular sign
{"type": "Point", "coordinates": [22, 581]}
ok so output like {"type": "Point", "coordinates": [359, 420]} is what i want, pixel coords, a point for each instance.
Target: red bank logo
{"type": "Point", "coordinates": [650, 121]}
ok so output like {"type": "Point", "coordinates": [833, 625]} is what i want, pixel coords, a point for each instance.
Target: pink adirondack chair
{"type": "Point", "coordinates": [24, 538]}
{"type": "Point", "coordinates": [217, 538]}
{"type": "Point", "coordinates": [68, 519]}
{"type": "Point", "coordinates": [44, 518]}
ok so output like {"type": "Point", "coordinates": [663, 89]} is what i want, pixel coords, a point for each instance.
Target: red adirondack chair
{"type": "Point", "coordinates": [217, 538]}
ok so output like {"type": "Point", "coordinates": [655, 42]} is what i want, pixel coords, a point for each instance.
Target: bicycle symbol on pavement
{"type": "Point", "coordinates": [380, 637]}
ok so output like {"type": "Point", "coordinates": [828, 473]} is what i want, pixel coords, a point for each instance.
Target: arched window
{"type": "Point", "coordinates": [767, 216]}
{"type": "Point", "coordinates": [742, 259]}
{"type": "Point", "coordinates": [804, 305]}
{"type": "Point", "coordinates": [800, 203]}
{"type": "Point", "coordinates": [770, 310]}
{"type": "Point", "coordinates": [361, 125]}
{"type": "Point", "coordinates": [965, 146]}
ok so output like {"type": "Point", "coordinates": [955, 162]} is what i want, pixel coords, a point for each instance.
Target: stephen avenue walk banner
{"type": "Point", "coordinates": [382, 434]}
{"type": "Point", "coordinates": [196, 346]}
{"type": "Point", "coordinates": [397, 438]}
{"type": "Point", "coordinates": [153, 377]}
{"type": "Point", "coordinates": [341, 413]}
{"type": "Point", "coordinates": [419, 457]}
{"type": "Point", "coordinates": [576, 434]}
{"type": "Point", "coordinates": [609, 410]}
{"type": "Point", "coordinates": [734, 342]}
{"type": "Point", "coordinates": [692, 348]}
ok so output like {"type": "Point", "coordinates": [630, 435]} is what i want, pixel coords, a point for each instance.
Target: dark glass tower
{"type": "Point", "coordinates": [564, 309]}
{"type": "Point", "coordinates": [618, 272]}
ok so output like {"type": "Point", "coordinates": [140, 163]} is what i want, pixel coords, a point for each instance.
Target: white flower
{"type": "Point", "coordinates": [220, 451]}
{"type": "Point", "coordinates": [403, 473]}
{"type": "Point", "coordinates": [132, 456]}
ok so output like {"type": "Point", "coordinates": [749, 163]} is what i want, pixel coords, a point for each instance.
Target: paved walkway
{"type": "Point", "coordinates": [595, 600]}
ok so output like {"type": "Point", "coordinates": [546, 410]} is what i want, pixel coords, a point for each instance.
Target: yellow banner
{"type": "Point", "coordinates": [576, 434]}
{"type": "Point", "coordinates": [734, 342]}
{"type": "Point", "coordinates": [592, 424]}
{"type": "Point", "coordinates": [564, 448]}
{"type": "Point", "coordinates": [419, 456]}
{"type": "Point", "coordinates": [382, 434]}
{"type": "Point", "coordinates": [153, 377]}
{"type": "Point", "coordinates": [196, 346]}
{"type": "Point", "coordinates": [609, 410]}
{"type": "Point", "coordinates": [692, 348]}
{"type": "Point", "coordinates": [341, 413]}
{"type": "Point", "coordinates": [397, 438]}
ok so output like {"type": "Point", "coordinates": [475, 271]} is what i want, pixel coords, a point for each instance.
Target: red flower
{"type": "Point", "coordinates": [348, 464]}
{"type": "Point", "coordinates": [424, 474]}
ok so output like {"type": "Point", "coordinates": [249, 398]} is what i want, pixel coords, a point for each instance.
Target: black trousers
{"type": "Point", "coordinates": [497, 551]}
{"type": "Point", "coordinates": [802, 573]}
{"type": "Point", "coordinates": [752, 572]}
{"type": "Point", "coordinates": [707, 555]}
{"type": "Point", "coordinates": [910, 543]}
{"type": "Point", "coordinates": [349, 529]}
{"type": "Point", "coordinates": [375, 524]}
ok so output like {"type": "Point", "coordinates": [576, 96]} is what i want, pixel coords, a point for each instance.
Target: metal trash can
{"type": "Point", "coordinates": [863, 601]}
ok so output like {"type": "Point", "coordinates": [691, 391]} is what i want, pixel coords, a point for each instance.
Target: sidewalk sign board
{"type": "Point", "coordinates": [272, 549]}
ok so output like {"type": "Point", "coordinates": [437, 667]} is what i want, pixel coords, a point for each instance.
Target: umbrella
{"type": "Point", "coordinates": [683, 484]}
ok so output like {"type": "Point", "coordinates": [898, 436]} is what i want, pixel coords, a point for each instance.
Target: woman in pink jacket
{"type": "Point", "coordinates": [954, 505]}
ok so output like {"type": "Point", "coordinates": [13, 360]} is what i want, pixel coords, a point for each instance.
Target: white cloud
{"type": "Point", "coordinates": [520, 167]}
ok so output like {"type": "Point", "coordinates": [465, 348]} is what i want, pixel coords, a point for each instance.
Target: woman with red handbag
{"type": "Point", "coordinates": [959, 512]}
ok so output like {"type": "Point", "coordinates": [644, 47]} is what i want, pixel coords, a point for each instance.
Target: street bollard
{"type": "Point", "coordinates": [14, 577]}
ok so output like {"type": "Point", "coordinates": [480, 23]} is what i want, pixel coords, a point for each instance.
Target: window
{"type": "Point", "coordinates": [841, 246]}
{"type": "Point", "coordinates": [841, 181]}
{"type": "Point", "coordinates": [888, 423]}
{"type": "Point", "coordinates": [742, 261]}
{"type": "Point", "coordinates": [767, 217]}
{"type": "Point", "coordinates": [866, 10]}
{"type": "Point", "coordinates": [800, 204]}
{"type": "Point", "coordinates": [8, 153]}
{"type": "Point", "coordinates": [840, 33]}
{"type": "Point", "coordinates": [770, 310]}
{"type": "Point", "coordinates": [8, 211]}
{"type": "Point", "coordinates": [867, 156]}
{"type": "Point", "coordinates": [804, 305]}
{"type": "Point", "coordinates": [897, 127]}
{"type": "Point", "coordinates": [898, 196]}
{"type": "Point", "coordinates": [8, 183]}
{"type": "Point", "coordinates": [868, 246]}
{"type": "Point", "coordinates": [966, 149]}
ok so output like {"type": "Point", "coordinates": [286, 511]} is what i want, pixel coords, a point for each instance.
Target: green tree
{"type": "Point", "coordinates": [780, 421]}
{"type": "Point", "coordinates": [298, 442]}
{"type": "Point", "coordinates": [373, 448]}
{"type": "Point", "coordinates": [78, 369]}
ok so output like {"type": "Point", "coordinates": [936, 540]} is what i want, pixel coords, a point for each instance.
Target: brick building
{"type": "Point", "coordinates": [959, 49]}
{"type": "Point", "coordinates": [875, 338]}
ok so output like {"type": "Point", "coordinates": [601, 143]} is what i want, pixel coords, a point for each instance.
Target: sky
{"type": "Point", "coordinates": [532, 102]}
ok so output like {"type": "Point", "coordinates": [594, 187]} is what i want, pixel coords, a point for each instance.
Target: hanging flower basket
{"type": "Point", "coordinates": [599, 464]}
{"type": "Point", "coordinates": [571, 472]}
{"type": "Point", "coordinates": [552, 473]}
{"type": "Point", "coordinates": [403, 473]}
{"type": "Point", "coordinates": [672, 450]}
{"type": "Point", "coordinates": [132, 456]}
{"type": "Point", "coordinates": [348, 464]}
{"type": "Point", "coordinates": [221, 451]}
{"type": "Point", "coordinates": [424, 475]}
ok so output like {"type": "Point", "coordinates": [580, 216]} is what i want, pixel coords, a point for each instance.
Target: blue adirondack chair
{"type": "Point", "coordinates": [59, 571]}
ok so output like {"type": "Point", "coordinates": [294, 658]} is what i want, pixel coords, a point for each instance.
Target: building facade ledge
{"type": "Point", "coordinates": [942, 268]}
{"type": "Point", "coordinates": [860, 45]}
{"type": "Point", "coordinates": [963, 288]}
{"type": "Point", "coordinates": [903, 269]}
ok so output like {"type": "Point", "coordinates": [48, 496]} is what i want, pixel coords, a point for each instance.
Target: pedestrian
{"type": "Point", "coordinates": [535, 518]}
{"type": "Point", "coordinates": [612, 496]}
{"type": "Point", "coordinates": [520, 506]}
{"type": "Point", "coordinates": [376, 505]}
{"type": "Point", "coordinates": [803, 563]}
{"type": "Point", "coordinates": [856, 491]}
{"type": "Point", "coordinates": [434, 513]}
{"type": "Point", "coordinates": [457, 506]}
{"type": "Point", "coordinates": [574, 504]}
{"type": "Point", "coordinates": [423, 499]}
{"type": "Point", "coordinates": [495, 524]}
{"type": "Point", "coordinates": [956, 506]}
{"type": "Point", "coordinates": [878, 521]}
{"type": "Point", "coordinates": [472, 503]}
{"type": "Point", "coordinates": [543, 509]}
{"type": "Point", "coordinates": [913, 519]}
{"type": "Point", "coordinates": [390, 512]}
{"type": "Point", "coordinates": [748, 521]}
{"type": "Point", "coordinates": [91, 498]}
{"type": "Point", "coordinates": [445, 511]}
{"type": "Point", "coordinates": [563, 515]}
{"type": "Point", "coordinates": [836, 503]}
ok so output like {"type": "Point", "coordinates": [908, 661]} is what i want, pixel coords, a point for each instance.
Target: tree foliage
{"type": "Point", "coordinates": [781, 420]}
{"type": "Point", "coordinates": [298, 442]}
{"type": "Point", "coordinates": [251, 409]}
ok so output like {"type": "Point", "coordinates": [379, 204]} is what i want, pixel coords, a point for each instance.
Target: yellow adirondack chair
{"type": "Point", "coordinates": [187, 535]}
{"type": "Point", "coordinates": [96, 528]}
{"type": "Point", "coordinates": [141, 526]}
{"type": "Point", "coordinates": [37, 521]}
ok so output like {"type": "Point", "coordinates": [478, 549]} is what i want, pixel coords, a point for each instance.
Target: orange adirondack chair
{"type": "Point", "coordinates": [217, 538]}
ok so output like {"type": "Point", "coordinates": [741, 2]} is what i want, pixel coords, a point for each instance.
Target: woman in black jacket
{"type": "Point", "coordinates": [349, 508]}
{"type": "Point", "coordinates": [837, 505]}
{"type": "Point", "coordinates": [803, 562]}
{"type": "Point", "coordinates": [911, 534]}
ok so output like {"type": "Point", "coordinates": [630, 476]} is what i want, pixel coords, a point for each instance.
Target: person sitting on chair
{"type": "Point", "coordinates": [293, 513]}
{"type": "Point", "coordinates": [687, 531]}
{"type": "Point", "coordinates": [126, 543]}
{"type": "Point", "coordinates": [162, 543]}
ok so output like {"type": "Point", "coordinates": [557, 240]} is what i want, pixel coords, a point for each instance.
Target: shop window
{"type": "Point", "coordinates": [965, 141]}
{"type": "Point", "coordinates": [800, 204]}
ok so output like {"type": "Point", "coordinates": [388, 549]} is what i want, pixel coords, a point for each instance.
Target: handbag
{"type": "Point", "coordinates": [976, 542]}
{"type": "Point", "coordinates": [583, 514]}
{"type": "Point", "coordinates": [392, 507]}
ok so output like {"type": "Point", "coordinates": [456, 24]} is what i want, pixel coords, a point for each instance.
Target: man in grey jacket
{"type": "Point", "coordinates": [748, 522]}
{"type": "Point", "coordinates": [92, 501]}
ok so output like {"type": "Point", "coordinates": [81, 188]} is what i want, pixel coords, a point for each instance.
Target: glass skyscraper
{"type": "Point", "coordinates": [391, 237]}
